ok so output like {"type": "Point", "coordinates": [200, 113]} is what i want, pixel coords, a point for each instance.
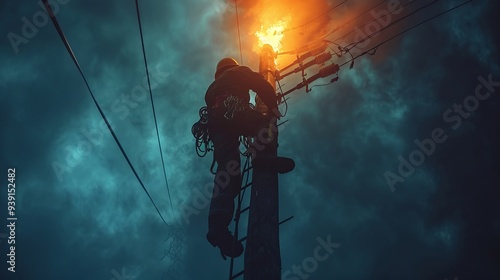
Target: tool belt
{"type": "Point", "coordinates": [229, 104]}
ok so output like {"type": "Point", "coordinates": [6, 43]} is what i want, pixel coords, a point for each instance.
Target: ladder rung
{"type": "Point", "coordinates": [244, 210]}
{"type": "Point", "coordinates": [246, 169]}
{"type": "Point", "coordinates": [246, 186]}
{"type": "Point", "coordinates": [283, 122]}
{"type": "Point", "coordinates": [285, 220]}
{"type": "Point", "coordinates": [237, 275]}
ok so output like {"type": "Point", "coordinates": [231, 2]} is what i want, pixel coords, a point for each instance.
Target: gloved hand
{"type": "Point", "coordinates": [275, 112]}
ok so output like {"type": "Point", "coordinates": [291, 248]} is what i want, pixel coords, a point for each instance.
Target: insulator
{"type": "Point", "coordinates": [322, 58]}
{"type": "Point", "coordinates": [329, 70]}
{"type": "Point", "coordinates": [315, 51]}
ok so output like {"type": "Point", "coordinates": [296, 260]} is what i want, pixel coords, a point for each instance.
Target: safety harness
{"type": "Point", "coordinates": [201, 131]}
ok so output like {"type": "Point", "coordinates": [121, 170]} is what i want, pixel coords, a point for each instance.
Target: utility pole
{"type": "Point", "coordinates": [262, 252]}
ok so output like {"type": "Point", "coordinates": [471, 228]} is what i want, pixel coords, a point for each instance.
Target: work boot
{"type": "Point", "coordinates": [273, 164]}
{"type": "Point", "coordinates": [222, 238]}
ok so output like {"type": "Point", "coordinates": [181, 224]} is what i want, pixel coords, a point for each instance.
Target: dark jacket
{"type": "Point", "coordinates": [238, 81]}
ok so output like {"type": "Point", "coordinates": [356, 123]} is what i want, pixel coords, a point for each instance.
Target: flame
{"type": "Point", "coordinates": [272, 34]}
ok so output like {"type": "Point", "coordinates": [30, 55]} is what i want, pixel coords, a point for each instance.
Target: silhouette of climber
{"type": "Point", "coordinates": [229, 116]}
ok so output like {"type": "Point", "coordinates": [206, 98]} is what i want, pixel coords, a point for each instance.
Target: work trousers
{"type": "Point", "coordinates": [225, 130]}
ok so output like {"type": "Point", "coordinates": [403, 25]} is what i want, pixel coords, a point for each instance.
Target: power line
{"type": "Point", "coordinates": [353, 19]}
{"type": "Point", "coordinates": [354, 44]}
{"type": "Point", "coordinates": [238, 24]}
{"type": "Point", "coordinates": [370, 51]}
{"type": "Point", "coordinates": [316, 18]}
{"type": "Point", "coordinates": [373, 50]}
{"type": "Point", "coordinates": [73, 57]}
{"type": "Point", "coordinates": [406, 30]}
{"type": "Point", "coordinates": [153, 105]}
{"type": "Point", "coordinates": [371, 21]}
{"type": "Point", "coordinates": [391, 24]}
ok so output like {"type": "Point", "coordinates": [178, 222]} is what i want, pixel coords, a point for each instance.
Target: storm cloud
{"type": "Point", "coordinates": [396, 162]}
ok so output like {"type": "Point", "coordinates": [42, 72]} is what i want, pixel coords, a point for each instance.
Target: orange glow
{"type": "Point", "coordinates": [272, 34]}
{"type": "Point", "coordinates": [291, 26]}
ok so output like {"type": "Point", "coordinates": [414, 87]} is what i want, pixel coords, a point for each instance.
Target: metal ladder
{"type": "Point", "coordinates": [239, 211]}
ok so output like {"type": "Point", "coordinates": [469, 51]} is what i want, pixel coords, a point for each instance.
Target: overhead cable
{"type": "Point", "coordinates": [73, 57]}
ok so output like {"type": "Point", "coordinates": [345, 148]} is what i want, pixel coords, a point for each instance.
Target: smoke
{"type": "Point", "coordinates": [343, 22]}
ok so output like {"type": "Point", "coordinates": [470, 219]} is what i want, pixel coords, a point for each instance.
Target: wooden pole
{"type": "Point", "coordinates": [262, 252]}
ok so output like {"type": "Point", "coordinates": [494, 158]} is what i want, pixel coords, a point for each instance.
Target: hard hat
{"type": "Point", "coordinates": [225, 64]}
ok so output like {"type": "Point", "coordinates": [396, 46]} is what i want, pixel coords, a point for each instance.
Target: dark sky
{"type": "Point", "coordinates": [397, 162]}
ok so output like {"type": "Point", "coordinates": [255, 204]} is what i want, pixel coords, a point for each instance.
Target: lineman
{"type": "Point", "coordinates": [230, 116]}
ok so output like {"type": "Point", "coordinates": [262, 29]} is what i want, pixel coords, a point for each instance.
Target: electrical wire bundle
{"type": "Point", "coordinates": [201, 134]}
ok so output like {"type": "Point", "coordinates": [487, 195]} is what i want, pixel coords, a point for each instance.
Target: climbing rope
{"type": "Point", "coordinates": [201, 134]}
